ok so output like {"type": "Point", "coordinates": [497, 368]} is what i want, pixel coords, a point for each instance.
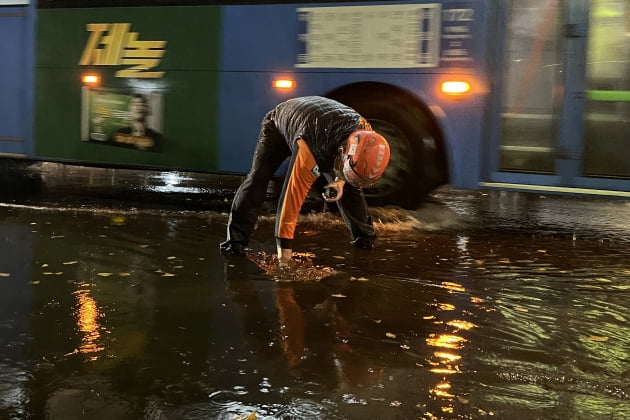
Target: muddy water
{"type": "Point", "coordinates": [480, 305]}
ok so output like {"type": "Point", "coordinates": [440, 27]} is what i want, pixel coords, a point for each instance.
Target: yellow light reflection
{"type": "Point", "coordinates": [450, 357]}
{"type": "Point", "coordinates": [446, 341]}
{"type": "Point", "coordinates": [442, 394]}
{"type": "Point", "coordinates": [446, 370]}
{"type": "Point", "coordinates": [441, 390]}
{"type": "Point", "coordinates": [445, 360]}
{"type": "Point", "coordinates": [443, 386]}
{"type": "Point", "coordinates": [88, 317]}
{"type": "Point", "coordinates": [461, 325]}
{"type": "Point", "coordinates": [453, 287]}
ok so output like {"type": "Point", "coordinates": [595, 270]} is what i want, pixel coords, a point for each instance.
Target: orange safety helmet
{"type": "Point", "coordinates": [365, 158]}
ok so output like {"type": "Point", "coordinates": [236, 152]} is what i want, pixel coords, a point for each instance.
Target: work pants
{"type": "Point", "coordinates": [271, 150]}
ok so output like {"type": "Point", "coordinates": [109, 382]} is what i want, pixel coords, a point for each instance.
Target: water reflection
{"type": "Point", "coordinates": [88, 322]}
{"type": "Point", "coordinates": [447, 358]}
{"type": "Point", "coordinates": [136, 315]}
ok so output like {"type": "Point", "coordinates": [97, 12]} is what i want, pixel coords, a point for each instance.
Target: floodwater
{"type": "Point", "coordinates": [478, 305]}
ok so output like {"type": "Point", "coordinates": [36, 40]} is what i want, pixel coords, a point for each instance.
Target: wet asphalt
{"type": "Point", "coordinates": [116, 304]}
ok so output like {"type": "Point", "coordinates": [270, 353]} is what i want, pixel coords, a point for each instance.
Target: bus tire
{"type": "Point", "coordinates": [416, 165]}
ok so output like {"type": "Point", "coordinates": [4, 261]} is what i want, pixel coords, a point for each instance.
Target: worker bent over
{"type": "Point", "coordinates": [323, 138]}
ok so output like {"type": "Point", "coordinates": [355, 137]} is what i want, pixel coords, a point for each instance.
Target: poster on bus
{"type": "Point", "coordinates": [123, 119]}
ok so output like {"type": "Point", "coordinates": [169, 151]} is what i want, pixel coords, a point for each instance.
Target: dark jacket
{"type": "Point", "coordinates": [324, 124]}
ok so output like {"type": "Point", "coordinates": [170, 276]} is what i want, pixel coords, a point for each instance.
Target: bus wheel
{"type": "Point", "coordinates": [416, 165]}
{"type": "Point", "coordinates": [390, 189]}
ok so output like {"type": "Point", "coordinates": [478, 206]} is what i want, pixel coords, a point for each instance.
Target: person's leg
{"type": "Point", "coordinates": [355, 213]}
{"type": "Point", "coordinates": [271, 151]}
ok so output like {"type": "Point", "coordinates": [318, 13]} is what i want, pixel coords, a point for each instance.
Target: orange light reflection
{"type": "Point", "coordinates": [446, 370]}
{"type": "Point", "coordinates": [446, 341]}
{"type": "Point", "coordinates": [450, 357]}
{"type": "Point", "coordinates": [461, 325]}
{"type": "Point", "coordinates": [453, 287]}
{"type": "Point", "coordinates": [446, 306]}
{"type": "Point", "coordinates": [88, 316]}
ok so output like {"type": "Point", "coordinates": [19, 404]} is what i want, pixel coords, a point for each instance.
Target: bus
{"type": "Point", "coordinates": [530, 95]}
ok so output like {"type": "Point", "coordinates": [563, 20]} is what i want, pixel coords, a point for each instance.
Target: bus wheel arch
{"type": "Point", "coordinates": [418, 155]}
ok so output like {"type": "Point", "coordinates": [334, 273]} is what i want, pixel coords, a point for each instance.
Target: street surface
{"type": "Point", "coordinates": [115, 303]}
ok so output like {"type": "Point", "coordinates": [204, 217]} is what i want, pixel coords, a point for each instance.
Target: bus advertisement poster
{"type": "Point", "coordinates": [124, 119]}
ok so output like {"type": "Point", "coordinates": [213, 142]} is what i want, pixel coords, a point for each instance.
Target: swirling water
{"type": "Point", "coordinates": [484, 305]}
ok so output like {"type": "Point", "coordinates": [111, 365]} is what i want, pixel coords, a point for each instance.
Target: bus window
{"type": "Point", "coordinates": [532, 76]}
{"type": "Point", "coordinates": [607, 116]}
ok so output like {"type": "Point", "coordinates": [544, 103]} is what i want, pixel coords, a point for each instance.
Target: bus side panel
{"type": "Point", "coordinates": [250, 60]}
{"type": "Point", "coordinates": [247, 95]}
{"type": "Point", "coordinates": [16, 50]}
{"type": "Point", "coordinates": [460, 121]}
{"type": "Point", "coordinates": [76, 124]}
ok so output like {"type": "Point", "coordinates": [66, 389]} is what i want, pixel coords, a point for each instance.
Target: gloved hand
{"type": "Point", "coordinates": [363, 242]}
{"type": "Point", "coordinates": [333, 190]}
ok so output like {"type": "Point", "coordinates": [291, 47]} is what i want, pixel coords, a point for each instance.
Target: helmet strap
{"type": "Point", "coordinates": [338, 165]}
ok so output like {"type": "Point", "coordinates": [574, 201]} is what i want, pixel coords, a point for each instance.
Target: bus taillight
{"type": "Point", "coordinates": [455, 87]}
{"type": "Point", "coordinates": [283, 83]}
{"type": "Point", "coordinates": [91, 79]}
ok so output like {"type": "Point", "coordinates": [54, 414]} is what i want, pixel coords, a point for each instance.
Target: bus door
{"type": "Point", "coordinates": [564, 113]}
{"type": "Point", "coordinates": [15, 82]}
{"type": "Point", "coordinates": [607, 105]}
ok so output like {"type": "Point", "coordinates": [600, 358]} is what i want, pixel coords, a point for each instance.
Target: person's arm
{"type": "Point", "coordinates": [299, 180]}
{"type": "Point", "coordinates": [355, 212]}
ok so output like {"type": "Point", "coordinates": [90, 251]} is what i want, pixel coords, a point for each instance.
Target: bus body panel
{"type": "Point", "coordinates": [205, 71]}
{"type": "Point", "coordinates": [16, 55]}
{"type": "Point", "coordinates": [460, 121]}
{"type": "Point", "coordinates": [249, 64]}
{"type": "Point", "coordinates": [279, 36]}
{"type": "Point", "coordinates": [185, 92]}
{"type": "Point", "coordinates": [215, 83]}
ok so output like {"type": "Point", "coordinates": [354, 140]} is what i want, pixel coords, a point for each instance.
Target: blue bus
{"type": "Point", "coordinates": [529, 95]}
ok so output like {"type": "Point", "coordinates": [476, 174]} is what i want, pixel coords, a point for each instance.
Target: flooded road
{"type": "Point", "coordinates": [500, 305]}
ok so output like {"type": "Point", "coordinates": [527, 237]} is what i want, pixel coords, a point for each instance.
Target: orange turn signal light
{"type": "Point", "coordinates": [91, 79]}
{"type": "Point", "coordinates": [284, 84]}
{"type": "Point", "coordinates": [455, 87]}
